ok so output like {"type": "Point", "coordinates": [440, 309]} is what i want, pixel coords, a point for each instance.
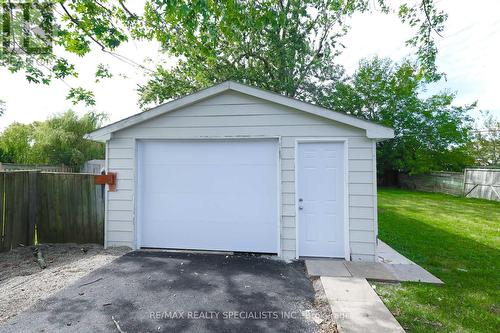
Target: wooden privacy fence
{"type": "Point", "coordinates": [61, 207]}
{"type": "Point", "coordinates": [482, 183]}
{"type": "Point", "coordinates": [472, 183]}
{"type": "Point", "coordinates": [442, 182]}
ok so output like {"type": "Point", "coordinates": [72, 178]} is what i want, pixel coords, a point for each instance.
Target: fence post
{"type": "Point", "coordinates": [465, 180]}
{"type": "Point", "coordinates": [2, 204]}
{"type": "Point", "coordinates": [33, 208]}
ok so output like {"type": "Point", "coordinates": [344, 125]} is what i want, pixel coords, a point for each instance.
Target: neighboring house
{"type": "Point", "coordinates": [95, 167]}
{"type": "Point", "coordinates": [235, 168]}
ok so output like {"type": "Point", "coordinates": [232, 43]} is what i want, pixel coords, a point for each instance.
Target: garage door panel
{"type": "Point", "coordinates": [216, 152]}
{"type": "Point", "coordinates": [228, 209]}
{"type": "Point", "coordinates": [212, 195]}
{"type": "Point", "coordinates": [192, 178]}
{"type": "Point", "coordinates": [194, 233]}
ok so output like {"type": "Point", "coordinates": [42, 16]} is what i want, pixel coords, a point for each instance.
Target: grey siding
{"type": "Point", "coordinates": [232, 114]}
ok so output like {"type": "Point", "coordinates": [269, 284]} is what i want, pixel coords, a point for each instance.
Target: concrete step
{"type": "Point", "coordinates": [390, 267]}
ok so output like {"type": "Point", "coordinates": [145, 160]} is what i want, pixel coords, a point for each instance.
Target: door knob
{"type": "Point", "coordinates": [300, 204]}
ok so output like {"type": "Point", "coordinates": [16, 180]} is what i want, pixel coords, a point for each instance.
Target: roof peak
{"type": "Point", "coordinates": [373, 130]}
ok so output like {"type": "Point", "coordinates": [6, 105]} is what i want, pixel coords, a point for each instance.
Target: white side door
{"type": "Point", "coordinates": [320, 199]}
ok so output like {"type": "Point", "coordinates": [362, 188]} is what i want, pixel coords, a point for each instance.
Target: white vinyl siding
{"type": "Point", "coordinates": [120, 205]}
{"type": "Point", "coordinates": [361, 184]}
{"type": "Point", "coordinates": [235, 115]}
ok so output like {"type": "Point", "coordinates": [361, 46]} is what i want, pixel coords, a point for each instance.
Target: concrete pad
{"type": "Point", "coordinates": [347, 289]}
{"type": "Point", "coordinates": [356, 307]}
{"type": "Point", "coordinates": [413, 273]}
{"type": "Point", "coordinates": [401, 267]}
{"type": "Point", "coordinates": [370, 270]}
{"type": "Point", "coordinates": [326, 267]}
{"type": "Point", "coordinates": [388, 255]}
{"type": "Point", "coordinates": [391, 267]}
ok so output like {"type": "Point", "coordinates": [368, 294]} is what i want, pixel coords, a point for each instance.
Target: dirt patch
{"type": "Point", "coordinates": [326, 323]}
{"type": "Point", "coordinates": [23, 282]}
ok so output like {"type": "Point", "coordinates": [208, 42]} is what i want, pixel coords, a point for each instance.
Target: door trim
{"type": "Point", "coordinates": [345, 141]}
{"type": "Point", "coordinates": [136, 193]}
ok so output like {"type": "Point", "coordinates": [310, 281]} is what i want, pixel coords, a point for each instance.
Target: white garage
{"type": "Point", "coordinates": [236, 168]}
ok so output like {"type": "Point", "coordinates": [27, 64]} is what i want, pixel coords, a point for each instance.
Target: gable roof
{"type": "Point", "coordinates": [373, 130]}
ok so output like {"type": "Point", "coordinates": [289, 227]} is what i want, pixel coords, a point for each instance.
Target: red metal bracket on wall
{"type": "Point", "coordinates": [109, 178]}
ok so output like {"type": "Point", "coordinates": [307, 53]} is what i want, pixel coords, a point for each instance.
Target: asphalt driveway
{"type": "Point", "coordinates": [177, 292]}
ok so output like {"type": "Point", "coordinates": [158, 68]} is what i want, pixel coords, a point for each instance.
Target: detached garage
{"type": "Point", "coordinates": [235, 168]}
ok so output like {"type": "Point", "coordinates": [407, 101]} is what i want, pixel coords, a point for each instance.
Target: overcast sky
{"type": "Point", "coordinates": [468, 54]}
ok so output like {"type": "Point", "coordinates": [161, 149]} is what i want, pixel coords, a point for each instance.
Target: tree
{"type": "Point", "coordinates": [431, 133]}
{"type": "Point", "coordinates": [15, 143]}
{"type": "Point", "coordinates": [287, 46]}
{"type": "Point", "coordinates": [58, 140]}
{"type": "Point", "coordinates": [486, 144]}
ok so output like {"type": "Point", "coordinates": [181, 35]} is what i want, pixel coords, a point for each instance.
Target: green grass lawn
{"type": "Point", "coordinates": [455, 239]}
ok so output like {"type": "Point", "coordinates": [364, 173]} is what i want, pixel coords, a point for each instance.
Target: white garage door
{"type": "Point", "coordinates": [208, 195]}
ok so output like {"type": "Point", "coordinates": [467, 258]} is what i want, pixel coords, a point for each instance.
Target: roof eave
{"type": "Point", "coordinates": [94, 136]}
{"type": "Point", "coordinates": [373, 130]}
{"type": "Point", "coordinates": [102, 132]}
{"type": "Point", "coordinates": [380, 133]}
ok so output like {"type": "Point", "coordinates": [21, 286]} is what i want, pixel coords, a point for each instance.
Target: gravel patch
{"type": "Point", "coordinates": [23, 282]}
{"type": "Point", "coordinates": [325, 322]}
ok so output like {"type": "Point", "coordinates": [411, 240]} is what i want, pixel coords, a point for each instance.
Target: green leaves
{"type": "Point", "coordinates": [58, 140]}
{"type": "Point", "coordinates": [431, 133]}
{"type": "Point", "coordinates": [428, 21]}
{"type": "Point", "coordinates": [286, 46]}
{"type": "Point", "coordinates": [62, 68]}
{"type": "Point", "coordinates": [289, 47]}
{"type": "Point", "coordinates": [80, 94]}
{"type": "Point", "coordinates": [2, 107]}
{"type": "Point", "coordinates": [486, 144]}
{"type": "Point", "coordinates": [15, 143]}
{"type": "Point", "coordinates": [280, 46]}
{"type": "Point", "coordinates": [102, 72]}
{"type": "Point", "coordinates": [77, 26]}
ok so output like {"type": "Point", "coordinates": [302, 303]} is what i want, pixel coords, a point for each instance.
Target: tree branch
{"type": "Point", "coordinates": [315, 56]}
{"type": "Point", "coordinates": [77, 23]}
{"type": "Point", "coordinates": [103, 47]}
{"type": "Point", "coordinates": [425, 3]}
{"type": "Point", "coordinates": [104, 7]}
{"type": "Point", "coordinates": [248, 55]}
{"type": "Point", "coordinates": [122, 4]}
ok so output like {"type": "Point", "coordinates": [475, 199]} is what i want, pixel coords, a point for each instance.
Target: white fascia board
{"type": "Point", "coordinates": [381, 132]}
{"type": "Point", "coordinates": [99, 138]}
